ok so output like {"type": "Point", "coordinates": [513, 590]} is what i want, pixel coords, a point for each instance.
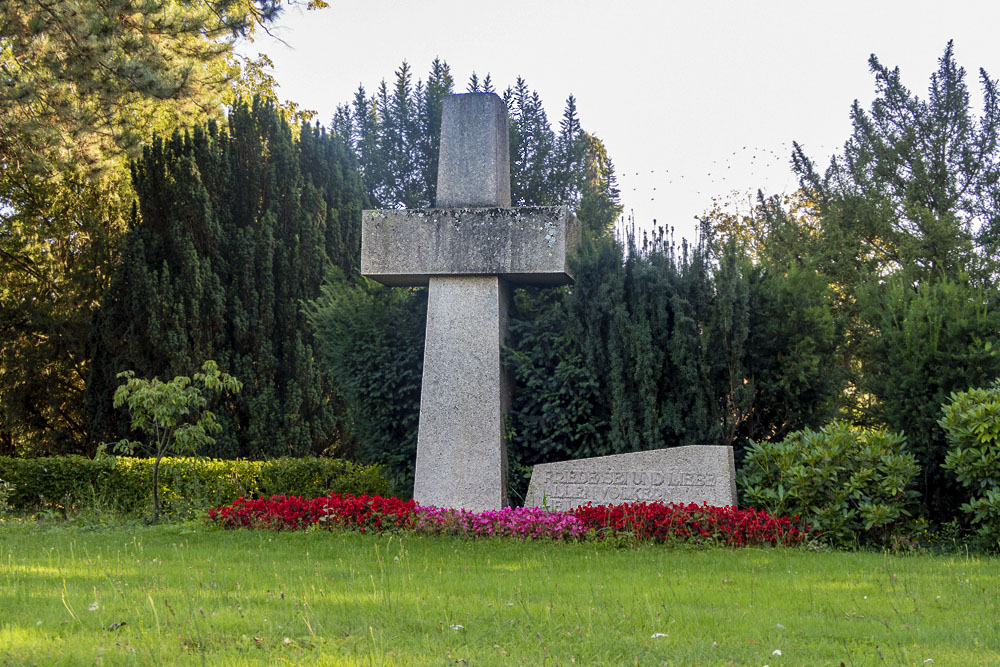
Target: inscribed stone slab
{"type": "Point", "coordinates": [691, 474]}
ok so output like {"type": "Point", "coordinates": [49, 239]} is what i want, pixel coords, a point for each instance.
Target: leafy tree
{"type": "Point", "coordinates": [172, 414]}
{"type": "Point", "coordinates": [234, 230]}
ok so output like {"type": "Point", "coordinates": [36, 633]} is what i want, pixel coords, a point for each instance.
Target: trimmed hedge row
{"type": "Point", "coordinates": [124, 484]}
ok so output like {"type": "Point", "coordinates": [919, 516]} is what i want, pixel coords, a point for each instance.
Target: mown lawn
{"type": "Point", "coordinates": [197, 595]}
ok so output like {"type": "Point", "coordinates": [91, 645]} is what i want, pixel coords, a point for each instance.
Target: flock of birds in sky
{"type": "Point", "coordinates": [771, 160]}
{"type": "Point", "coordinates": [729, 183]}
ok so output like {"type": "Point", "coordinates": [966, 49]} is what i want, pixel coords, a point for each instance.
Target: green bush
{"type": "Point", "coordinates": [971, 423]}
{"type": "Point", "coordinates": [55, 480]}
{"type": "Point", "coordinates": [851, 484]}
{"type": "Point", "coordinates": [932, 341]}
{"type": "Point", "coordinates": [5, 490]}
{"type": "Point", "coordinates": [370, 338]}
{"type": "Point", "coordinates": [186, 485]}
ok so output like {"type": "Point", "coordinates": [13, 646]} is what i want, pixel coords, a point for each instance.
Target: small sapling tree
{"type": "Point", "coordinates": [172, 414]}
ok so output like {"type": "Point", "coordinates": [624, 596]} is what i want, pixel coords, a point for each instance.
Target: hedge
{"type": "Point", "coordinates": [187, 485]}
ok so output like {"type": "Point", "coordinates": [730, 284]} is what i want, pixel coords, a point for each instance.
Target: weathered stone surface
{"type": "Point", "coordinates": [692, 474]}
{"type": "Point", "coordinates": [461, 454]}
{"type": "Point", "coordinates": [526, 245]}
{"type": "Point", "coordinates": [466, 251]}
{"type": "Point", "coordinates": [474, 158]}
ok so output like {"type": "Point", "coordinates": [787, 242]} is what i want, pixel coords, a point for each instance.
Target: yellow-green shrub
{"type": "Point", "coordinates": [187, 485]}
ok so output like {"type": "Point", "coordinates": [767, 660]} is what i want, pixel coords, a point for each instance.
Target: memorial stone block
{"type": "Point", "coordinates": [692, 474]}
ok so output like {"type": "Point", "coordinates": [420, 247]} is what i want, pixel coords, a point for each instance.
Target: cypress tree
{"type": "Point", "coordinates": [234, 229]}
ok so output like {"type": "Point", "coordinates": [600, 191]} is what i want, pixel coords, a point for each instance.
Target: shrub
{"type": "Point", "coordinates": [173, 414]}
{"type": "Point", "coordinates": [971, 423]}
{"type": "Point", "coordinates": [55, 480]}
{"type": "Point", "coordinates": [850, 484]}
{"type": "Point", "coordinates": [5, 490]}
{"type": "Point", "coordinates": [186, 485]}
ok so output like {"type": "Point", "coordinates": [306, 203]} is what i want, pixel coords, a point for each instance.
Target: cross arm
{"type": "Point", "coordinates": [526, 245]}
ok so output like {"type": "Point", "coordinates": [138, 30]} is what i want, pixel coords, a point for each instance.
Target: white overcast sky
{"type": "Point", "coordinates": [693, 100]}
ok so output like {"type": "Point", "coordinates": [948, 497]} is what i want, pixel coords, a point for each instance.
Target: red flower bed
{"type": "Point", "coordinates": [658, 522]}
{"type": "Point", "coordinates": [663, 522]}
{"type": "Point", "coordinates": [290, 512]}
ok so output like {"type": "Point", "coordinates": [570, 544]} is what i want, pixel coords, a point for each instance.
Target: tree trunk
{"type": "Point", "coordinates": [156, 488]}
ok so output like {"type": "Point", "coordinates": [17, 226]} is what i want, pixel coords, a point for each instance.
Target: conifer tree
{"type": "Point", "coordinates": [396, 134]}
{"type": "Point", "coordinates": [84, 86]}
{"type": "Point", "coordinates": [235, 228]}
{"type": "Point", "coordinates": [916, 188]}
{"type": "Point", "coordinates": [905, 223]}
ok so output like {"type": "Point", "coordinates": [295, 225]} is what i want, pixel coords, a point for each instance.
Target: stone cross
{"type": "Point", "coordinates": [469, 250]}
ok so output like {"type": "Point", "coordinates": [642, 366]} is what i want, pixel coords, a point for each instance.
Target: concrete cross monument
{"type": "Point", "coordinates": [469, 250]}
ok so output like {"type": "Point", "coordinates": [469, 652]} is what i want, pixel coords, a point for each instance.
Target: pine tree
{"type": "Point", "coordinates": [439, 85]}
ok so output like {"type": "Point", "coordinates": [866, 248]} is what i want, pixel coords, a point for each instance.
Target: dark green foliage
{"type": "Point", "coordinates": [656, 348]}
{"type": "Point", "coordinates": [971, 422]}
{"type": "Point", "coordinates": [916, 189]}
{"type": "Point", "coordinates": [556, 399]}
{"type": "Point", "coordinates": [793, 351]}
{"type": "Point", "coordinates": [396, 133]}
{"type": "Point", "coordinates": [55, 259]}
{"type": "Point", "coordinates": [234, 230]}
{"type": "Point", "coordinates": [186, 485]}
{"type": "Point", "coordinates": [371, 338]}
{"type": "Point", "coordinates": [926, 343]}
{"type": "Point", "coordinates": [904, 224]}
{"type": "Point", "coordinates": [850, 484]}
{"type": "Point", "coordinates": [84, 86]}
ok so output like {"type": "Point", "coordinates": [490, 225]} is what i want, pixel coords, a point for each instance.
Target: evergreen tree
{"type": "Point", "coordinates": [659, 346]}
{"type": "Point", "coordinates": [84, 86]}
{"type": "Point", "coordinates": [532, 149]}
{"type": "Point", "coordinates": [904, 225]}
{"type": "Point", "coordinates": [439, 84]}
{"type": "Point", "coordinates": [396, 135]}
{"type": "Point", "coordinates": [916, 188]}
{"type": "Point", "coordinates": [926, 343]}
{"type": "Point", "coordinates": [234, 230]}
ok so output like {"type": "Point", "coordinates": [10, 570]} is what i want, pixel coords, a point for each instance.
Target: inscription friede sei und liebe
{"type": "Point", "coordinates": [568, 488]}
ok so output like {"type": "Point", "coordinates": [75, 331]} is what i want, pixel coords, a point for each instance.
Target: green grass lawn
{"type": "Point", "coordinates": [197, 595]}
